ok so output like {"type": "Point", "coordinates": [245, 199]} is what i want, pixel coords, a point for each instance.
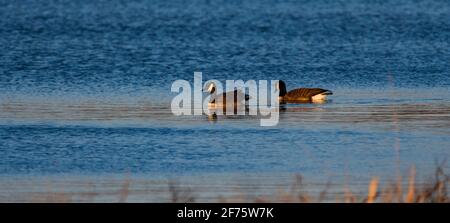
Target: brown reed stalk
{"type": "Point", "coordinates": [411, 186]}
{"type": "Point", "coordinates": [372, 194]}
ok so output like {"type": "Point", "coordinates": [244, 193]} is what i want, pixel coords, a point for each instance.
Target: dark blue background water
{"type": "Point", "coordinates": [75, 77]}
{"type": "Point", "coordinates": [52, 47]}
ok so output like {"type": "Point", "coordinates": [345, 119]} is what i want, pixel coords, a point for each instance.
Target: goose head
{"type": "Point", "coordinates": [210, 88]}
{"type": "Point", "coordinates": [281, 86]}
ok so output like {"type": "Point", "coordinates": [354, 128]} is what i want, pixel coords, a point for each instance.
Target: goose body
{"type": "Point", "coordinates": [230, 98]}
{"type": "Point", "coordinates": [301, 95]}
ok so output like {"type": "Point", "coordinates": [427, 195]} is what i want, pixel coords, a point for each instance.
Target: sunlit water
{"type": "Point", "coordinates": [85, 89]}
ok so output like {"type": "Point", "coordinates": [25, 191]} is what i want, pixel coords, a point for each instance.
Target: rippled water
{"type": "Point", "coordinates": [85, 86]}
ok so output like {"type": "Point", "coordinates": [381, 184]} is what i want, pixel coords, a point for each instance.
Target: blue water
{"type": "Point", "coordinates": [85, 86]}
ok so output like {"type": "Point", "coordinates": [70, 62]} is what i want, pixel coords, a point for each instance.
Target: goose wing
{"type": "Point", "coordinates": [307, 92]}
{"type": "Point", "coordinates": [231, 95]}
{"type": "Point", "coordinates": [246, 97]}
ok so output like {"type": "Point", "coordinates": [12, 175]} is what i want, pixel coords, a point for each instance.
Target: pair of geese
{"type": "Point", "coordinates": [298, 95]}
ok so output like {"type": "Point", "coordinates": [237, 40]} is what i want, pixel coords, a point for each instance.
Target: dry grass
{"type": "Point", "coordinates": [434, 191]}
{"type": "Point", "coordinates": [180, 194]}
{"type": "Point", "coordinates": [124, 191]}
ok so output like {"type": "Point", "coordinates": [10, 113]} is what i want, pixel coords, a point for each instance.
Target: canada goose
{"type": "Point", "coordinates": [221, 100]}
{"type": "Point", "coordinates": [301, 94]}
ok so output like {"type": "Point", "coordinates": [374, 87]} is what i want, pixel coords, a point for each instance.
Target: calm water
{"type": "Point", "coordinates": [85, 86]}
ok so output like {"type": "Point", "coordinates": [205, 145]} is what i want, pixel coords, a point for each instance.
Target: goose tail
{"type": "Point", "coordinates": [327, 92]}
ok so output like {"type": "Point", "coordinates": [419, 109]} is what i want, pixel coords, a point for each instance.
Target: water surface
{"type": "Point", "coordinates": [85, 87]}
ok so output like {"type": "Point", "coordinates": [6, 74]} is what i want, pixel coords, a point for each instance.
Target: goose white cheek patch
{"type": "Point", "coordinates": [240, 97]}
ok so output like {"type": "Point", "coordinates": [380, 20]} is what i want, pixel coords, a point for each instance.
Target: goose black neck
{"type": "Point", "coordinates": [282, 87]}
